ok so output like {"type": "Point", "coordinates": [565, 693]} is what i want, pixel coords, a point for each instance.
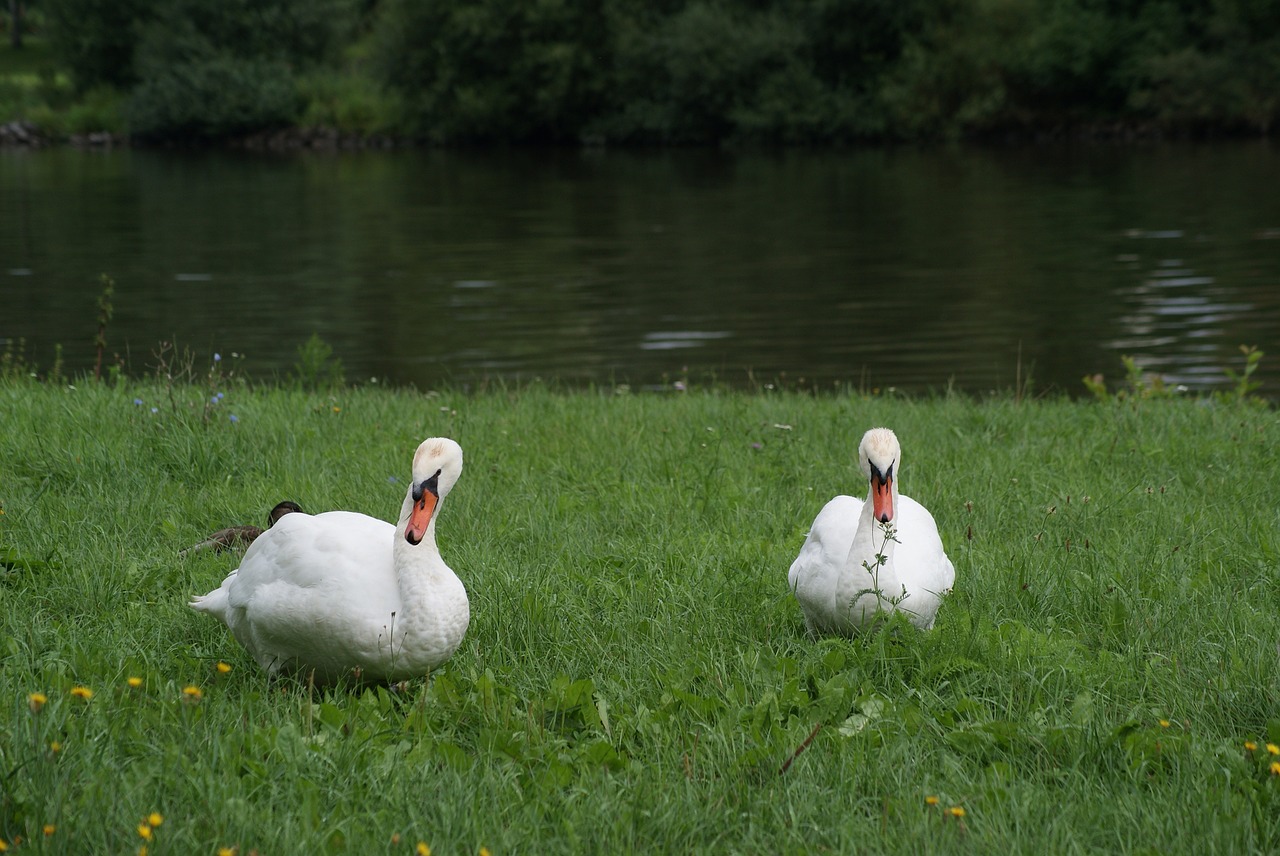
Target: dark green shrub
{"type": "Point", "coordinates": [496, 69]}
{"type": "Point", "coordinates": [212, 98]}
{"type": "Point", "coordinates": [96, 38]}
{"type": "Point", "coordinates": [695, 77]}
{"type": "Point", "coordinates": [706, 71]}
{"type": "Point", "coordinates": [1217, 67]}
{"type": "Point", "coordinates": [214, 68]}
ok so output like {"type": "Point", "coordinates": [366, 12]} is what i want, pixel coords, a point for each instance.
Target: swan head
{"type": "Point", "coordinates": [880, 457]}
{"type": "Point", "coordinates": [436, 466]}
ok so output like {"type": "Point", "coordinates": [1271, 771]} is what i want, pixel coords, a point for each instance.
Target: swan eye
{"type": "Point", "coordinates": [878, 476]}
{"type": "Point", "coordinates": [432, 484]}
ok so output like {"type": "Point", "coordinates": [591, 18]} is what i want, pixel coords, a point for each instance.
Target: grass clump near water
{"type": "Point", "coordinates": [637, 678]}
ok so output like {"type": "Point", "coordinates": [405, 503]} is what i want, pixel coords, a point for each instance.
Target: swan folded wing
{"type": "Point", "coordinates": [815, 576]}
{"type": "Point", "coordinates": [933, 574]}
{"type": "Point", "coordinates": [319, 587]}
{"type": "Point", "coordinates": [924, 549]}
{"type": "Point", "coordinates": [827, 544]}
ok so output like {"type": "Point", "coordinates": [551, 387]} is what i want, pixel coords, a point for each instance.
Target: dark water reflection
{"type": "Point", "coordinates": [885, 268]}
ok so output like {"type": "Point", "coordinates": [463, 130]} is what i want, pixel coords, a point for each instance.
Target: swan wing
{"type": "Point", "coordinates": [921, 562]}
{"type": "Point", "coordinates": [320, 588]}
{"type": "Point", "coordinates": [815, 574]}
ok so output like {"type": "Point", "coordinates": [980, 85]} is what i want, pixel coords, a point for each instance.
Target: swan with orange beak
{"type": "Point", "coordinates": [865, 559]}
{"type": "Point", "coordinates": [344, 595]}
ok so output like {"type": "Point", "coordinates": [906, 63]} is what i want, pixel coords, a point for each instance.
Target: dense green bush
{"type": "Point", "coordinates": [213, 97]}
{"type": "Point", "coordinates": [96, 38]}
{"type": "Point", "coordinates": [199, 68]}
{"type": "Point", "coordinates": [680, 71]}
{"type": "Point", "coordinates": [686, 72]}
{"type": "Point", "coordinates": [1216, 68]}
{"type": "Point", "coordinates": [212, 68]}
{"type": "Point", "coordinates": [494, 69]}
{"type": "Point", "coordinates": [704, 73]}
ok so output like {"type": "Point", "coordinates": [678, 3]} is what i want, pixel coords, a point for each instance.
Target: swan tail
{"type": "Point", "coordinates": [215, 602]}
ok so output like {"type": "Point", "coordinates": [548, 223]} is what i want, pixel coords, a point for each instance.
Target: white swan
{"type": "Point", "coordinates": [343, 594]}
{"type": "Point", "coordinates": [862, 559]}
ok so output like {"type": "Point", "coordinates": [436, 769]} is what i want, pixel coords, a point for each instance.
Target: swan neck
{"type": "Point", "coordinates": [871, 541]}
{"type": "Point", "coordinates": [418, 566]}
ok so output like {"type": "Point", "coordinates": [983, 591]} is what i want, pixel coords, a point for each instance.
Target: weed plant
{"type": "Point", "coordinates": [637, 678]}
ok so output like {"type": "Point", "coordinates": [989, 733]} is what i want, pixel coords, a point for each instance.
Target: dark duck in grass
{"type": "Point", "coordinates": [237, 537]}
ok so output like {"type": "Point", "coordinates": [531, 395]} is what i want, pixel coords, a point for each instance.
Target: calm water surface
{"type": "Point", "coordinates": [915, 270]}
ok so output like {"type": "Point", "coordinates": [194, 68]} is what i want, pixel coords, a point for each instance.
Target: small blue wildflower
{"type": "Point", "coordinates": [218, 396]}
{"type": "Point", "coordinates": [235, 418]}
{"type": "Point", "coordinates": [137, 402]}
{"type": "Point", "coordinates": [155, 410]}
{"type": "Point", "coordinates": [213, 400]}
{"type": "Point", "coordinates": [217, 358]}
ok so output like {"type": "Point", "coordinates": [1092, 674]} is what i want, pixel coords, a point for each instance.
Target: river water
{"type": "Point", "coordinates": [919, 270]}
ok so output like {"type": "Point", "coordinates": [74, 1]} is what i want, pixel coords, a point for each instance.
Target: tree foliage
{"type": "Point", "coordinates": [689, 71]}
{"type": "Point", "coordinates": [494, 69]}
{"type": "Point", "coordinates": [200, 68]}
{"type": "Point", "coordinates": [96, 38]}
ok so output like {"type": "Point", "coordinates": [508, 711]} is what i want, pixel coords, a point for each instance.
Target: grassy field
{"type": "Point", "coordinates": [637, 677]}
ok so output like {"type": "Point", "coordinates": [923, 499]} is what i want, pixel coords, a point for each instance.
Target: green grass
{"type": "Point", "coordinates": [636, 674]}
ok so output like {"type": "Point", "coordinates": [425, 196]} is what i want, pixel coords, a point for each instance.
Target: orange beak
{"type": "Point", "coordinates": [420, 516]}
{"type": "Point", "coordinates": [882, 497]}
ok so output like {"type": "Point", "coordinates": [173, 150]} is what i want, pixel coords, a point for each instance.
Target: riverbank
{"type": "Point", "coordinates": [636, 676]}
{"type": "Point", "coordinates": [20, 133]}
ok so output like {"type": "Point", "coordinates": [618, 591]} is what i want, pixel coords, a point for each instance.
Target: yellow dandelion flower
{"type": "Point", "coordinates": [1273, 749]}
{"type": "Point", "coordinates": [956, 811]}
{"type": "Point", "coordinates": [155, 818]}
{"type": "Point", "coordinates": [142, 851]}
{"type": "Point", "coordinates": [82, 692]}
{"type": "Point", "coordinates": [4, 845]}
{"type": "Point", "coordinates": [337, 410]}
{"type": "Point", "coordinates": [192, 693]}
{"type": "Point", "coordinates": [55, 747]}
{"type": "Point", "coordinates": [133, 681]}
{"type": "Point", "coordinates": [930, 800]}
{"type": "Point", "coordinates": [49, 829]}
{"type": "Point", "coordinates": [1250, 746]}
{"type": "Point", "coordinates": [222, 667]}
{"type": "Point", "coordinates": [1275, 768]}
{"type": "Point", "coordinates": [422, 849]}
{"type": "Point", "coordinates": [36, 701]}
{"type": "Point", "coordinates": [226, 851]}
{"type": "Point", "coordinates": [144, 830]}
{"type": "Point", "coordinates": [1164, 723]}
{"type": "Point", "coordinates": [484, 851]}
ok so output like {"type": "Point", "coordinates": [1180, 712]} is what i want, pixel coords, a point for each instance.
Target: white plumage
{"type": "Point", "coordinates": [342, 594]}
{"type": "Point", "coordinates": [863, 559]}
